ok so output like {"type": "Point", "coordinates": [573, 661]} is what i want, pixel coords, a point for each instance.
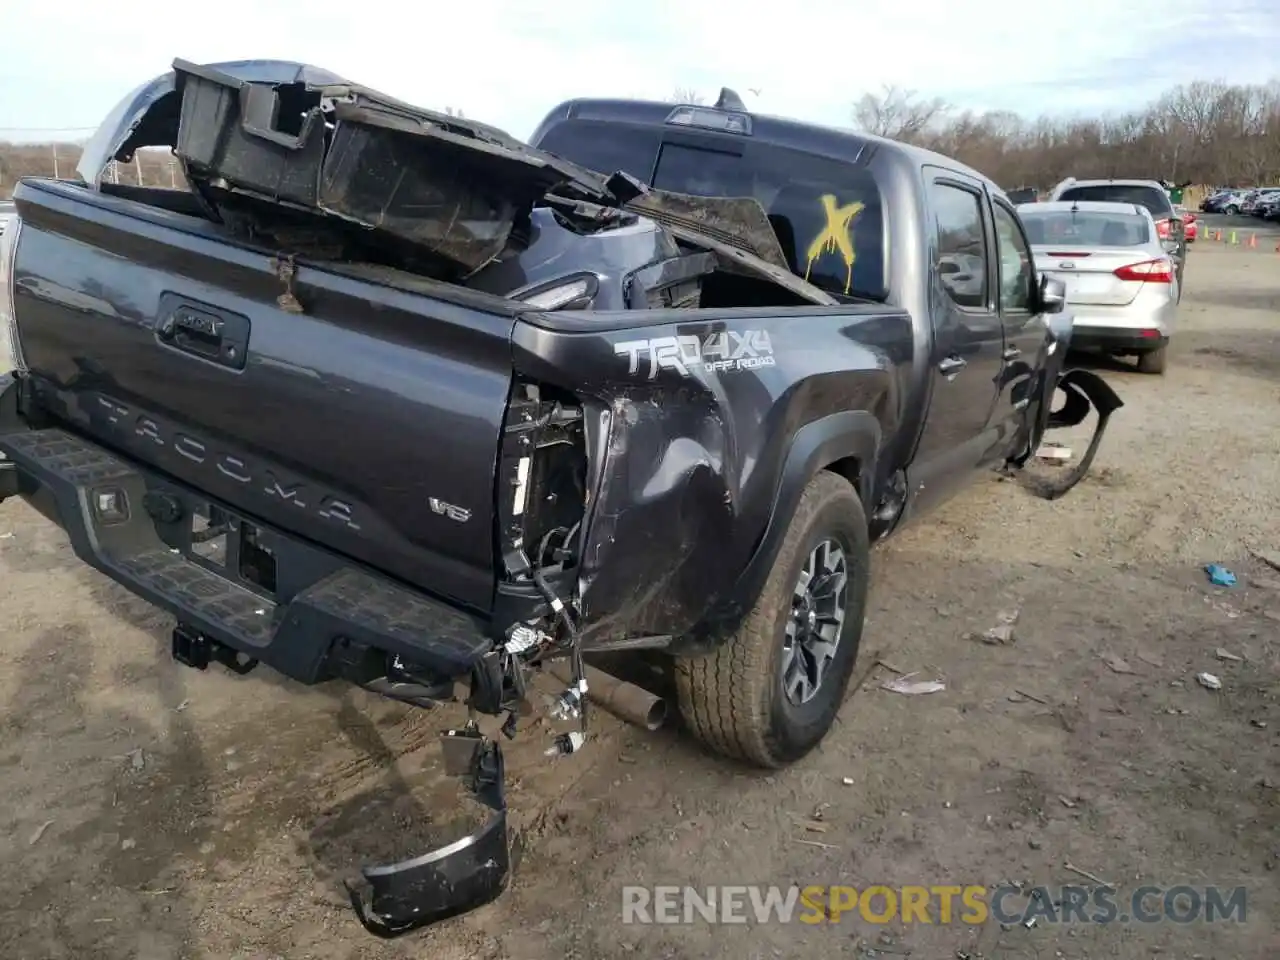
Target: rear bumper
{"type": "Point", "coordinates": [339, 620]}
{"type": "Point", "coordinates": [326, 614]}
{"type": "Point", "coordinates": [1145, 324]}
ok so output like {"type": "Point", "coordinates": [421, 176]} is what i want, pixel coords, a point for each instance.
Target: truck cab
{"type": "Point", "coordinates": [863, 218]}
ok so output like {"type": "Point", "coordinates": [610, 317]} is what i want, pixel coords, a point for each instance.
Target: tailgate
{"type": "Point", "coordinates": [368, 422]}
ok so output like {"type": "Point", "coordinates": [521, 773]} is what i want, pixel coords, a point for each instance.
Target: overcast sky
{"type": "Point", "coordinates": [507, 62]}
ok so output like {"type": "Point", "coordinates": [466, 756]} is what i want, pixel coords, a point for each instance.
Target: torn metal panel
{"type": "Point", "coordinates": [736, 260]}
{"type": "Point", "coordinates": [739, 222]}
{"type": "Point", "coordinates": [275, 149]}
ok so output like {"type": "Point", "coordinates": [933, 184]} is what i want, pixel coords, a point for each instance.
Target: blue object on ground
{"type": "Point", "coordinates": [1219, 575]}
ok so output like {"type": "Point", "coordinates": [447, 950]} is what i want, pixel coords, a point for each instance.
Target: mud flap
{"type": "Point", "coordinates": [455, 878]}
{"type": "Point", "coordinates": [1084, 390]}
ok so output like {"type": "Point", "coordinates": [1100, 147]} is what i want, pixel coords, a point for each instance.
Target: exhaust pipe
{"type": "Point", "coordinates": [624, 700]}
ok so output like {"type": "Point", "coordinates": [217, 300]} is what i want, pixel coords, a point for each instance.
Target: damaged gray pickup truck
{"type": "Point", "coordinates": [390, 397]}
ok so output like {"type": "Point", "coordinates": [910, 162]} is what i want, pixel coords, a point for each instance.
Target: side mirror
{"type": "Point", "coordinates": [1053, 295]}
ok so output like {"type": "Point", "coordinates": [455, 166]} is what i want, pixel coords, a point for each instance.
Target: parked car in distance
{"type": "Point", "coordinates": [1266, 199]}
{"type": "Point", "coordinates": [1228, 202]}
{"type": "Point", "coordinates": [1218, 200]}
{"type": "Point", "coordinates": [1255, 200]}
{"type": "Point", "coordinates": [1212, 201]}
{"type": "Point", "coordinates": [7, 210]}
{"type": "Point", "coordinates": [1269, 209]}
{"type": "Point", "coordinates": [1150, 194]}
{"type": "Point", "coordinates": [1122, 284]}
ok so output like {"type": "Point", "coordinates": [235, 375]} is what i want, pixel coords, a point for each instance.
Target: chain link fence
{"type": "Point", "coordinates": [58, 159]}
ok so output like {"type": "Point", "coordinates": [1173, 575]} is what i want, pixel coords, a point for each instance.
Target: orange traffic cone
{"type": "Point", "coordinates": [1217, 235]}
{"type": "Point", "coordinates": [1253, 241]}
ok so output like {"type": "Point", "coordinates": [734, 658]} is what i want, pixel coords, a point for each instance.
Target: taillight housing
{"type": "Point", "coordinates": [1163, 229]}
{"type": "Point", "coordinates": [1148, 271]}
{"type": "Point", "coordinates": [10, 347]}
{"type": "Point", "coordinates": [567, 293]}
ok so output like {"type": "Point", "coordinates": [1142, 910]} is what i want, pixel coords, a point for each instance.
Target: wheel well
{"type": "Point", "coordinates": [851, 469]}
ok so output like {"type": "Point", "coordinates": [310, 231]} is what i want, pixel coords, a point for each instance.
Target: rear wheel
{"type": "Point", "coordinates": [1231, 210]}
{"type": "Point", "coordinates": [1154, 361]}
{"type": "Point", "coordinates": [770, 693]}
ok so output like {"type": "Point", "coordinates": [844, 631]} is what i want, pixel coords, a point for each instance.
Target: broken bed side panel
{"type": "Point", "coordinates": [701, 425]}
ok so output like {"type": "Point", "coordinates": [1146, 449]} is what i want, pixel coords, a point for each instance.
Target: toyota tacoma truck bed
{"type": "Point", "coordinates": [392, 398]}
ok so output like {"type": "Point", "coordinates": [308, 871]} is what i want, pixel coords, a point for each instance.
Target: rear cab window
{"type": "Point", "coordinates": [962, 244]}
{"type": "Point", "coordinates": [605, 147]}
{"type": "Point", "coordinates": [828, 214]}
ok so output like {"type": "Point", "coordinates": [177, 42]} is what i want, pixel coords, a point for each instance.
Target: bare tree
{"type": "Point", "coordinates": [687, 95]}
{"type": "Point", "coordinates": [897, 113]}
{"type": "Point", "coordinates": [1206, 132]}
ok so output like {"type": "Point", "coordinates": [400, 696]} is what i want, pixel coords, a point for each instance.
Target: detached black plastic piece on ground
{"type": "Point", "coordinates": [453, 879]}
{"type": "Point", "coordinates": [1084, 390]}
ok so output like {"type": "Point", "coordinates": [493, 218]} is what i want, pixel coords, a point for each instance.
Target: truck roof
{"type": "Point", "coordinates": [831, 142]}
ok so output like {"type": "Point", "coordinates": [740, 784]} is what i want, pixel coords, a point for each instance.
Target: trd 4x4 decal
{"type": "Point", "coordinates": [718, 352]}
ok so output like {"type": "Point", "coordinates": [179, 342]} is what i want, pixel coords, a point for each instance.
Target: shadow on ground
{"type": "Point", "coordinates": [130, 803]}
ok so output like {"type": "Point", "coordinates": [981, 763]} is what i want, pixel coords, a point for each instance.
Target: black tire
{"type": "Point", "coordinates": [1154, 361]}
{"type": "Point", "coordinates": [1231, 210]}
{"type": "Point", "coordinates": [733, 699]}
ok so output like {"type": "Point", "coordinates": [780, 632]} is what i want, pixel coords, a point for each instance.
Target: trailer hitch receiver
{"type": "Point", "coordinates": [453, 879]}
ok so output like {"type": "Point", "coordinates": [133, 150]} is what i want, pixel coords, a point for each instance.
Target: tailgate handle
{"type": "Point", "coordinates": [952, 365]}
{"type": "Point", "coordinates": [202, 330]}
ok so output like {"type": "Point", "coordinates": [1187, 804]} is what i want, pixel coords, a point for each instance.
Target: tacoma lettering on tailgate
{"type": "Point", "coordinates": [134, 428]}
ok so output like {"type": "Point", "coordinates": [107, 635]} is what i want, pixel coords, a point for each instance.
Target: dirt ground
{"type": "Point", "coordinates": [1086, 740]}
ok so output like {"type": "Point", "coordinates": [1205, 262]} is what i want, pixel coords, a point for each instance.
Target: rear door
{"type": "Point", "coordinates": [959, 433]}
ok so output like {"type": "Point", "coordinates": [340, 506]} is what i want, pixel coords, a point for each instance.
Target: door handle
{"type": "Point", "coordinates": [1012, 353]}
{"type": "Point", "coordinates": [952, 365]}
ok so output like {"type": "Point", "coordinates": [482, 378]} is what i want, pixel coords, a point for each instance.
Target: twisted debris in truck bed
{"type": "Point", "coordinates": [309, 161]}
